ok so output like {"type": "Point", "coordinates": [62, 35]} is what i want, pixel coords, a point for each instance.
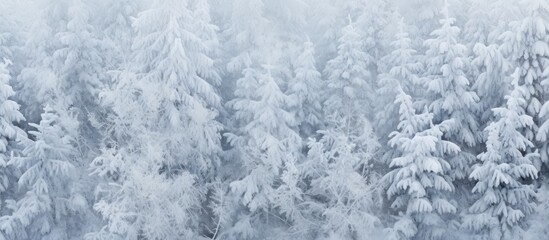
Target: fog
{"type": "Point", "coordinates": [274, 119]}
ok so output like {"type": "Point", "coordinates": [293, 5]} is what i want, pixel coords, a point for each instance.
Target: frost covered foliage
{"type": "Point", "coordinates": [420, 179]}
{"type": "Point", "coordinates": [10, 134]}
{"type": "Point", "coordinates": [287, 119]}
{"type": "Point", "coordinates": [348, 77]}
{"type": "Point", "coordinates": [50, 206]}
{"type": "Point", "coordinates": [305, 91]}
{"type": "Point", "coordinates": [448, 90]}
{"type": "Point", "coordinates": [173, 85]}
{"type": "Point", "coordinates": [342, 186]}
{"type": "Point", "coordinates": [268, 144]}
{"type": "Point", "coordinates": [402, 74]}
{"type": "Point", "coordinates": [503, 197]}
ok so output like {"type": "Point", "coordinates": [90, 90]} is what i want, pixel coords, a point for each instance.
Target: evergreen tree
{"type": "Point", "coordinates": [492, 82]}
{"type": "Point", "coordinates": [9, 35]}
{"type": "Point", "coordinates": [448, 92]}
{"type": "Point", "coordinates": [259, 34]}
{"type": "Point", "coordinates": [527, 45]}
{"type": "Point", "coordinates": [504, 196]}
{"type": "Point", "coordinates": [420, 180]}
{"type": "Point", "coordinates": [489, 67]}
{"type": "Point", "coordinates": [78, 66]}
{"type": "Point", "coordinates": [267, 144]}
{"type": "Point", "coordinates": [326, 18]}
{"type": "Point", "coordinates": [66, 67]}
{"type": "Point", "coordinates": [165, 103]}
{"type": "Point", "coordinates": [349, 86]}
{"type": "Point", "coordinates": [487, 20]}
{"type": "Point", "coordinates": [305, 91]}
{"type": "Point", "coordinates": [424, 16]}
{"type": "Point", "coordinates": [478, 27]}
{"type": "Point", "coordinates": [9, 135]}
{"type": "Point", "coordinates": [117, 97]}
{"type": "Point", "coordinates": [340, 184]}
{"type": "Point", "coordinates": [79, 62]}
{"type": "Point", "coordinates": [341, 197]}
{"type": "Point", "coordinates": [402, 70]}
{"type": "Point", "coordinates": [372, 24]}
{"type": "Point", "coordinates": [522, 43]}
{"type": "Point", "coordinates": [38, 79]}
{"type": "Point", "coordinates": [140, 203]}
{"type": "Point", "coordinates": [119, 154]}
{"type": "Point", "coordinates": [536, 222]}
{"type": "Point", "coordinates": [117, 31]}
{"type": "Point", "coordinates": [248, 34]}
{"type": "Point", "coordinates": [177, 84]}
{"type": "Point", "coordinates": [207, 31]}
{"type": "Point", "coordinates": [51, 206]}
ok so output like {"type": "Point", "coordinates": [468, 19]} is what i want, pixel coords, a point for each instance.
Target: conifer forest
{"type": "Point", "coordinates": [274, 119]}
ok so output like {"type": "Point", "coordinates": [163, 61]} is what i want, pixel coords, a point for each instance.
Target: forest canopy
{"type": "Point", "coordinates": [274, 119]}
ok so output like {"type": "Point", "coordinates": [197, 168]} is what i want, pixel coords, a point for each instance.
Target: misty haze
{"type": "Point", "coordinates": [274, 119]}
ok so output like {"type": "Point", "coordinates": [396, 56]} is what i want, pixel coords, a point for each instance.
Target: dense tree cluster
{"type": "Point", "coordinates": [286, 119]}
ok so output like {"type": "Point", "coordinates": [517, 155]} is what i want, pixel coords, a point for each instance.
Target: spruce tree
{"type": "Point", "coordinates": [349, 86]}
{"type": "Point", "coordinates": [38, 79]}
{"type": "Point", "coordinates": [448, 92]}
{"type": "Point", "coordinates": [492, 82]}
{"type": "Point", "coordinates": [304, 91]}
{"type": "Point", "coordinates": [9, 33]}
{"type": "Point", "coordinates": [10, 134]}
{"type": "Point", "coordinates": [166, 103]}
{"type": "Point", "coordinates": [177, 79]}
{"type": "Point", "coordinates": [117, 32]}
{"type": "Point", "coordinates": [77, 62]}
{"type": "Point", "coordinates": [267, 144]}
{"type": "Point", "coordinates": [51, 205]}
{"type": "Point", "coordinates": [402, 69]}
{"type": "Point", "coordinates": [248, 35]}
{"type": "Point", "coordinates": [340, 200]}
{"type": "Point", "coordinates": [504, 196]}
{"type": "Point", "coordinates": [372, 23]}
{"type": "Point", "coordinates": [420, 181]}
{"type": "Point", "coordinates": [338, 169]}
{"type": "Point", "coordinates": [527, 45]}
